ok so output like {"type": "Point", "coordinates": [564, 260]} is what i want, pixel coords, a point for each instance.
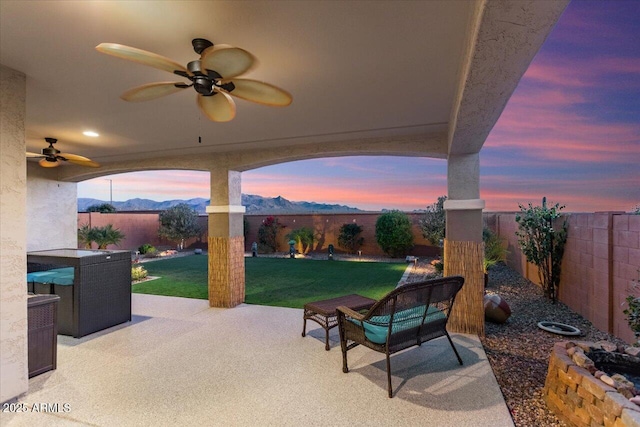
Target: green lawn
{"type": "Point", "coordinates": [276, 281]}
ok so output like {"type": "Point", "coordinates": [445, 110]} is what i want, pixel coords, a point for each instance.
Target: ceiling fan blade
{"type": "Point", "coordinates": [227, 61]}
{"type": "Point", "coordinates": [142, 57]}
{"type": "Point", "coordinates": [88, 163]}
{"type": "Point", "coordinates": [47, 164]}
{"type": "Point", "coordinates": [30, 154]}
{"type": "Point", "coordinates": [218, 108]}
{"type": "Point", "coordinates": [152, 91]}
{"type": "Point", "coordinates": [69, 156]}
{"type": "Point", "coordinates": [262, 93]}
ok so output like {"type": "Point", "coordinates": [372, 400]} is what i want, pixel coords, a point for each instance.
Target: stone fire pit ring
{"type": "Point", "coordinates": [559, 328]}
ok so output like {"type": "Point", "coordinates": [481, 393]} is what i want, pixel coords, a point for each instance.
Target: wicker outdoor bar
{"type": "Point", "coordinates": [94, 287]}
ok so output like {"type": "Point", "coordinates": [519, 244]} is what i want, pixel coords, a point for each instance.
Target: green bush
{"type": "Point", "coordinates": [138, 272]}
{"type": "Point", "coordinates": [303, 236]}
{"type": "Point", "coordinates": [494, 249]}
{"type": "Point", "coordinates": [393, 233]}
{"type": "Point", "coordinates": [542, 236]}
{"type": "Point", "coordinates": [143, 249]}
{"type": "Point", "coordinates": [179, 223]}
{"type": "Point", "coordinates": [349, 237]}
{"type": "Point", "coordinates": [434, 223]}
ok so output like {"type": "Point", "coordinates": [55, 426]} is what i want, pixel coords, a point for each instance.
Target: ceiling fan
{"type": "Point", "coordinates": [213, 76]}
{"type": "Point", "coordinates": [52, 157]}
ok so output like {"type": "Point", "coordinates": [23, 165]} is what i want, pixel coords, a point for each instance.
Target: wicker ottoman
{"type": "Point", "coordinates": [324, 312]}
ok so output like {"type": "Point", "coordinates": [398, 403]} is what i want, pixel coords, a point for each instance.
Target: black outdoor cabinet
{"type": "Point", "coordinates": [100, 296]}
{"type": "Point", "coordinates": [42, 333]}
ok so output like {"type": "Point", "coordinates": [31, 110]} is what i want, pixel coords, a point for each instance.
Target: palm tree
{"type": "Point", "coordinates": [86, 235]}
{"type": "Point", "coordinates": [107, 235]}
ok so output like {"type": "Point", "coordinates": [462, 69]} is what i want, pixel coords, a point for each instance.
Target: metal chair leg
{"type": "Point", "coordinates": [454, 348]}
{"type": "Point", "coordinates": [389, 375]}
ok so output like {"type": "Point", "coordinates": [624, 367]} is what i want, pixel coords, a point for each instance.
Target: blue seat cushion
{"type": "Point", "coordinates": [375, 328]}
{"type": "Point", "coordinates": [57, 276]}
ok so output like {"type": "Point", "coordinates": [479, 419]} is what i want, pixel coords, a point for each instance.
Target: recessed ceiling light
{"type": "Point", "coordinates": [90, 133]}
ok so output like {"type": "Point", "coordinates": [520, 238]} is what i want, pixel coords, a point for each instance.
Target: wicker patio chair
{"type": "Point", "coordinates": [407, 316]}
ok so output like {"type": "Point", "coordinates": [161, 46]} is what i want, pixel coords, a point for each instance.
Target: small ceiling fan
{"type": "Point", "coordinates": [52, 157]}
{"type": "Point", "coordinates": [213, 76]}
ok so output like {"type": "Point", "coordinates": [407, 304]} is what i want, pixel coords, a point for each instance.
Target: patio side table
{"type": "Point", "coordinates": [324, 312]}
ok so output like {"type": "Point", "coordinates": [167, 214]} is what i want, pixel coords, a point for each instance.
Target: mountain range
{"type": "Point", "coordinates": [253, 203]}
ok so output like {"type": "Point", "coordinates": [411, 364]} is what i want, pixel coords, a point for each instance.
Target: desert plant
{"type": "Point", "coordinates": [138, 272]}
{"type": "Point", "coordinates": [147, 247]}
{"type": "Point", "coordinates": [179, 223]}
{"type": "Point", "coordinates": [494, 249]}
{"type": "Point", "coordinates": [86, 236]}
{"type": "Point", "coordinates": [102, 208]}
{"type": "Point", "coordinates": [542, 237]}
{"type": "Point", "coordinates": [303, 236]}
{"type": "Point", "coordinates": [393, 233]}
{"type": "Point", "coordinates": [268, 234]}
{"type": "Point", "coordinates": [349, 237]}
{"type": "Point", "coordinates": [107, 235]}
{"type": "Point", "coordinates": [433, 224]}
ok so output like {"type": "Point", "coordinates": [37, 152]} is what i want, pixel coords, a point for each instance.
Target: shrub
{"type": "Point", "coordinates": [393, 233]}
{"type": "Point", "coordinates": [434, 223]}
{"type": "Point", "coordinates": [143, 249]}
{"type": "Point", "coordinates": [138, 272]}
{"type": "Point", "coordinates": [494, 249]}
{"type": "Point", "coordinates": [179, 223]}
{"type": "Point", "coordinates": [542, 241]}
{"type": "Point", "coordinates": [102, 208]}
{"type": "Point", "coordinates": [348, 237]}
{"type": "Point", "coordinates": [303, 236]}
{"type": "Point", "coordinates": [268, 234]}
{"type": "Point", "coordinates": [102, 236]}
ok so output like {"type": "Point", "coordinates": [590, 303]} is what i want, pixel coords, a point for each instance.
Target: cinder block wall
{"type": "Point", "coordinates": [600, 265]}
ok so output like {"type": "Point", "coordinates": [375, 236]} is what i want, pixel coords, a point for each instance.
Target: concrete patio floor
{"type": "Point", "coordinates": [181, 363]}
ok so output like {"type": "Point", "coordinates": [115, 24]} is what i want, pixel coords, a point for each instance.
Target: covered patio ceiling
{"type": "Point", "coordinates": [434, 75]}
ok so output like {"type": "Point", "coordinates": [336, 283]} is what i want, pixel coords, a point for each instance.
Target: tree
{"type": "Point", "coordinates": [303, 236]}
{"type": "Point", "coordinates": [541, 237]}
{"type": "Point", "coordinates": [107, 235]}
{"type": "Point", "coordinates": [179, 223]}
{"type": "Point", "coordinates": [393, 233]}
{"type": "Point", "coordinates": [433, 224]}
{"type": "Point", "coordinates": [268, 234]}
{"type": "Point", "coordinates": [348, 237]}
{"type": "Point", "coordinates": [86, 236]}
{"type": "Point", "coordinates": [102, 208]}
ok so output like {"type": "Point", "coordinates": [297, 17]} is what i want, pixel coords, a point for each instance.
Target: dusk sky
{"type": "Point", "coordinates": [570, 132]}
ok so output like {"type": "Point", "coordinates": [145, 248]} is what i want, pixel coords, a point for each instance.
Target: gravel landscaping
{"type": "Point", "coordinates": [518, 350]}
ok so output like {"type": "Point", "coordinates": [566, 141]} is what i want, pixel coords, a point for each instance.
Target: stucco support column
{"type": "Point", "coordinates": [463, 246]}
{"type": "Point", "coordinates": [226, 239]}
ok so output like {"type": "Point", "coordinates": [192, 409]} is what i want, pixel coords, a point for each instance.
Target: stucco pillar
{"type": "Point", "coordinates": [463, 246]}
{"type": "Point", "coordinates": [14, 379]}
{"type": "Point", "coordinates": [226, 239]}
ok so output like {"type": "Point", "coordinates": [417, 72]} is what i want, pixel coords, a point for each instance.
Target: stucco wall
{"type": "Point", "coordinates": [51, 210]}
{"type": "Point", "coordinates": [13, 262]}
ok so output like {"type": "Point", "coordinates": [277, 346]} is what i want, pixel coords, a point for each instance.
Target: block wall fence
{"type": "Point", "coordinates": [600, 266]}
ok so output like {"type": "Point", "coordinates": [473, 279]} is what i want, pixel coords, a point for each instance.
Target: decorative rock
{"type": "Point", "coordinates": [607, 346]}
{"type": "Point", "coordinates": [635, 399]}
{"type": "Point", "coordinates": [608, 380]}
{"type": "Point", "coordinates": [571, 351]}
{"type": "Point", "coordinates": [598, 374]}
{"type": "Point", "coordinates": [632, 351]}
{"type": "Point", "coordinates": [496, 309]}
{"type": "Point", "coordinates": [582, 360]}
